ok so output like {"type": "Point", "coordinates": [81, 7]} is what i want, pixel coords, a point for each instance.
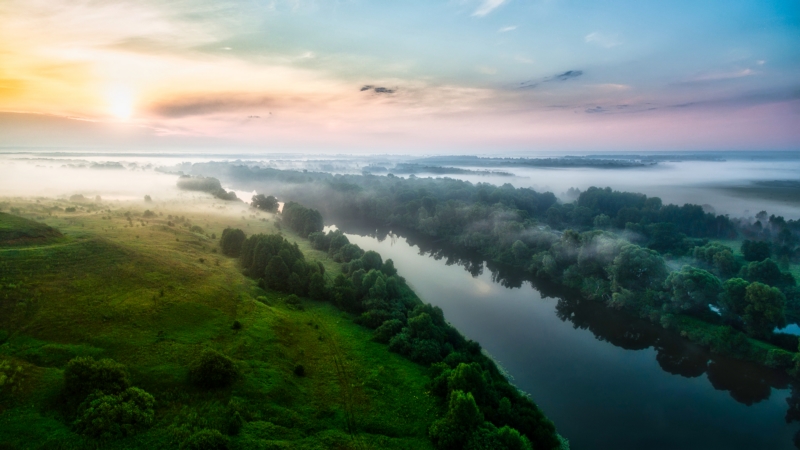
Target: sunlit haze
{"type": "Point", "coordinates": [355, 76]}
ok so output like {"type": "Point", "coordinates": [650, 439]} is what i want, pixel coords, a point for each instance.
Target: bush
{"type": "Point", "coordinates": [294, 302]}
{"type": "Point", "coordinates": [779, 359]}
{"type": "Point", "coordinates": [205, 440]}
{"type": "Point", "coordinates": [231, 241]}
{"type": "Point", "coordinates": [115, 415]}
{"type": "Point", "coordinates": [213, 370]}
{"type": "Point", "coordinates": [84, 375]}
{"type": "Point", "coordinates": [299, 370]}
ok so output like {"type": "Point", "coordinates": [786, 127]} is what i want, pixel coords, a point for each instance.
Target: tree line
{"type": "Point", "coordinates": [480, 409]}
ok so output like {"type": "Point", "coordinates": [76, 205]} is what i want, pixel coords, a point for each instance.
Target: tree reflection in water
{"type": "Point", "coordinates": [747, 383]}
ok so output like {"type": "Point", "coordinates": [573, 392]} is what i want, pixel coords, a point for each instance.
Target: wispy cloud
{"type": "Point", "coordinates": [377, 89]}
{"type": "Point", "coordinates": [507, 29]}
{"type": "Point", "coordinates": [209, 104]}
{"type": "Point", "coordinates": [568, 75]}
{"type": "Point", "coordinates": [488, 6]}
{"type": "Point", "coordinates": [603, 40]}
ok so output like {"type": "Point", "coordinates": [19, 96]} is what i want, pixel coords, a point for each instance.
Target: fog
{"type": "Point", "coordinates": [134, 175]}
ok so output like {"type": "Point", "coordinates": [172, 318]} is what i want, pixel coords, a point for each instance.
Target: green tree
{"type": "Point", "coordinates": [764, 310]}
{"type": "Point", "coordinates": [231, 241]}
{"type": "Point", "coordinates": [84, 375]}
{"type": "Point", "coordinates": [732, 299]}
{"type": "Point", "coordinates": [692, 289]}
{"type": "Point", "coordinates": [269, 204]}
{"type": "Point", "coordinates": [206, 440]}
{"type": "Point", "coordinates": [489, 437]}
{"type": "Point", "coordinates": [638, 268]}
{"type": "Point", "coordinates": [108, 416]}
{"type": "Point", "coordinates": [213, 370]}
{"type": "Point", "coordinates": [755, 250]}
{"type": "Point", "coordinates": [276, 275]}
{"type": "Point", "coordinates": [455, 429]}
{"type": "Point", "coordinates": [316, 287]}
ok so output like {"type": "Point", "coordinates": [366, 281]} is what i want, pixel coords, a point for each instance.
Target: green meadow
{"type": "Point", "coordinates": [152, 291]}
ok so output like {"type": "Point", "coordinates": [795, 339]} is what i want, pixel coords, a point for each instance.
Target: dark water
{"type": "Point", "coordinates": [608, 381]}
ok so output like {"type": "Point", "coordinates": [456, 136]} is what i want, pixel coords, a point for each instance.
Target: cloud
{"type": "Point", "coordinates": [596, 110]}
{"type": "Point", "coordinates": [486, 70]}
{"type": "Point", "coordinates": [507, 29]}
{"type": "Point", "coordinates": [377, 89]}
{"type": "Point", "coordinates": [568, 75]}
{"type": "Point", "coordinates": [204, 105]}
{"type": "Point", "coordinates": [603, 40]}
{"type": "Point", "coordinates": [487, 6]}
{"type": "Point", "coordinates": [723, 75]}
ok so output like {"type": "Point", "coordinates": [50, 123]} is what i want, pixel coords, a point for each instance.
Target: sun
{"type": "Point", "coordinates": [120, 101]}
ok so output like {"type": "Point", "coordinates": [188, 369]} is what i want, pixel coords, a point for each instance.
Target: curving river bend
{"type": "Point", "coordinates": [605, 379]}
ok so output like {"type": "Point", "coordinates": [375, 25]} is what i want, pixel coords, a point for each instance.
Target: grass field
{"type": "Point", "coordinates": [152, 292]}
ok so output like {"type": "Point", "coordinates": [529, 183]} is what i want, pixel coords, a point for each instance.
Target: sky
{"type": "Point", "coordinates": [449, 76]}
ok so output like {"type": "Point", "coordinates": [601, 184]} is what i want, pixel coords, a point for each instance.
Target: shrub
{"type": "Point", "coordinates": [299, 370]}
{"type": "Point", "coordinates": [231, 241]}
{"type": "Point", "coordinates": [84, 375]}
{"type": "Point", "coordinates": [294, 302]}
{"type": "Point", "coordinates": [205, 440]}
{"type": "Point", "coordinates": [115, 415]}
{"type": "Point", "coordinates": [779, 359]}
{"type": "Point", "coordinates": [213, 370]}
{"type": "Point", "coordinates": [387, 331]}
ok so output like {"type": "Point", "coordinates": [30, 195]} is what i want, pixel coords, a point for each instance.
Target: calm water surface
{"type": "Point", "coordinates": [606, 380]}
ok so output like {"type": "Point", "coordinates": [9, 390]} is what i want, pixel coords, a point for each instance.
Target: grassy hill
{"type": "Point", "coordinates": [15, 230]}
{"type": "Point", "coordinates": [151, 292]}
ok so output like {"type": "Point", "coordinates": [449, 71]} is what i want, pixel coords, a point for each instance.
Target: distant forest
{"type": "Point", "coordinates": [663, 263]}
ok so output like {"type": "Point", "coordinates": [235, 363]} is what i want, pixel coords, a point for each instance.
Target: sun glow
{"type": "Point", "coordinates": [120, 101]}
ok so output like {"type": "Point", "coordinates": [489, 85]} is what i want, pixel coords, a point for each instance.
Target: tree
{"type": "Point", "coordinates": [764, 310]}
{"type": "Point", "coordinates": [766, 272]}
{"type": "Point", "coordinates": [84, 375]}
{"type": "Point", "coordinates": [692, 289]}
{"type": "Point", "coordinates": [269, 204]}
{"type": "Point", "coordinates": [732, 299]}
{"type": "Point", "coordinates": [213, 370]}
{"type": "Point", "coordinates": [231, 241]}
{"type": "Point", "coordinates": [109, 416]}
{"type": "Point", "coordinates": [147, 198]}
{"type": "Point", "coordinates": [316, 287]}
{"type": "Point", "coordinates": [206, 440]}
{"type": "Point", "coordinates": [276, 275]}
{"type": "Point", "coordinates": [755, 250]}
{"type": "Point", "coordinates": [638, 268]}
{"type": "Point", "coordinates": [455, 429]}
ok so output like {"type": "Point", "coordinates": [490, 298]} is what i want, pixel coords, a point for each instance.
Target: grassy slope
{"type": "Point", "coordinates": [141, 295]}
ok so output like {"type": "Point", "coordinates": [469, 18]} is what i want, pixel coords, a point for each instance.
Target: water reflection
{"type": "Point", "coordinates": [746, 382]}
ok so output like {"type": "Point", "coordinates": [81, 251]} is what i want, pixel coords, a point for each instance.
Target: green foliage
{"type": "Point", "coordinates": [84, 375]}
{"type": "Point", "coordinates": [780, 359]}
{"type": "Point", "coordinates": [489, 437]}
{"type": "Point", "coordinates": [732, 299]}
{"type": "Point", "coordinates": [231, 241]}
{"type": "Point", "coordinates": [718, 257]}
{"type": "Point", "coordinates": [301, 219]}
{"type": "Point", "coordinates": [462, 419]}
{"type": "Point", "coordinates": [108, 416]}
{"type": "Point", "coordinates": [387, 331]}
{"type": "Point", "coordinates": [637, 268]}
{"type": "Point", "coordinates": [767, 272]}
{"type": "Point", "coordinates": [755, 250]}
{"type": "Point", "coordinates": [764, 309]}
{"type": "Point", "coordinates": [212, 370]}
{"type": "Point", "coordinates": [269, 204]}
{"type": "Point", "coordinates": [206, 440]}
{"type": "Point", "coordinates": [692, 289]}
{"type": "Point", "coordinates": [15, 230]}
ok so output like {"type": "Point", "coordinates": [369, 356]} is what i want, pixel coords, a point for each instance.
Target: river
{"type": "Point", "coordinates": [608, 381]}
